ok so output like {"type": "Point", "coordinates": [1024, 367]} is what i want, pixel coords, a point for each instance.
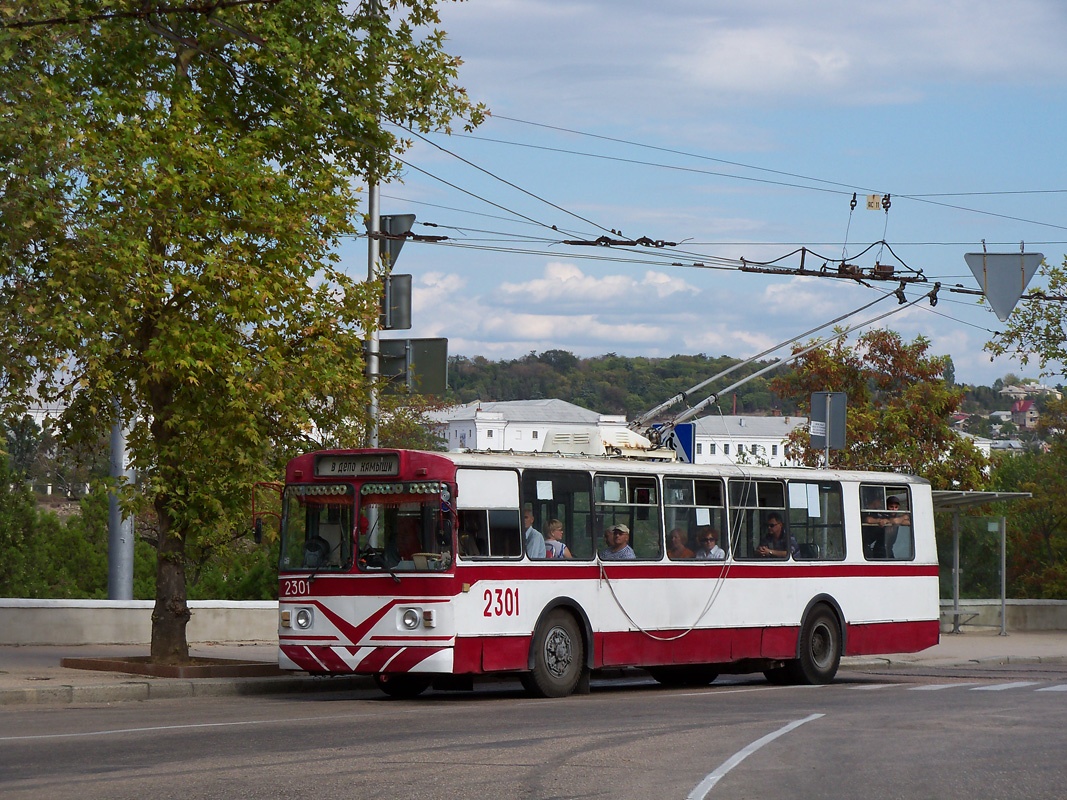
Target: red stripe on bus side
{"type": "Point", "coordinates": [892, 637]}
{"type": "Point", "coordinates": [483, 654]}
{"type": "Point", "coordinates": [440, 591]}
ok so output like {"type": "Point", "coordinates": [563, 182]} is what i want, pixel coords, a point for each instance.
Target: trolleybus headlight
{"type": "Point", "coordinates": [303, 618]}
{"type": "Point", "coordinates": [410, 619]}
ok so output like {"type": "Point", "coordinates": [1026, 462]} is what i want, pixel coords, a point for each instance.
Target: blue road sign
{"type": "Point", "coordinates": [682, 440]}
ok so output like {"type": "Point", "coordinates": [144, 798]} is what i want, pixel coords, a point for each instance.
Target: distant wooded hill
{"type": "Point", "coordinates": [611, 384]}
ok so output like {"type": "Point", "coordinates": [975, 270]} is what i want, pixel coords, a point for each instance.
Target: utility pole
{"type": "Point", "coordinates": [119, 530]}
{"type": "Point", "coordinates": [373, 256]}
{"type": "Point", "coordinates": [373, 228]}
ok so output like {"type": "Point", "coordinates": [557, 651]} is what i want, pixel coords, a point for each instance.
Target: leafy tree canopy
{"type": "Point", "coordinates": [1037, 330]}
{"type": "Point", "coordinates": [174, 182]}
{"type": "Point", "coordinates": [898, 408]}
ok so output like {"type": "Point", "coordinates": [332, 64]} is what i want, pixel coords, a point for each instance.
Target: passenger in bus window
{"type": "Point", "coordinates": [777, 543]}
{"type": "Point", "coordinates": [554, 546]}
{"type": "Point", "coordinates": [894, 519]}
{"type": "Point", "coordinates": [708, 545]}
{"type": "Point", "coordinates": [873, 529]}
{"type": "Point", "coordinates": [880, 527]}
{"type": "Point", "coordinates": [620, 549]}
{"type": "Point", "coordinates": [471, 533]}
{"type": "Point", "coordinates": [676, 549]}
{"type": "Point", "coordinates": [535, 542]}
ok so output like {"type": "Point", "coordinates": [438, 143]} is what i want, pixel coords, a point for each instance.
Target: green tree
{"type": "Point", "coordinates": [23, 446]}
{"type": "Point", "coordinates": [175, 182]}
{"type": "Point", "coordinates": [898, 409]}
{"type": "Point", "coordinates": [1037, 565]}
{"type": "Point", "coordinates": [1037, 329]}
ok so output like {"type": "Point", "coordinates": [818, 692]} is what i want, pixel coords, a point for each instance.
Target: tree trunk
{"type": "Point", "coordinates": [171, 612]}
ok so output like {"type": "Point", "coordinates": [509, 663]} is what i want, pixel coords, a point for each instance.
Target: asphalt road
{"type": "Point", "coordinates": [982, 732]}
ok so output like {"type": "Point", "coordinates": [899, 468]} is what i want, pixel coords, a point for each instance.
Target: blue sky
{"type": "Point", "coordinates": [746, 127]}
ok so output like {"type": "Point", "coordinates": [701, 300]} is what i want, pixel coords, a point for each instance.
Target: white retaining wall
{"type": "Point", "coordinates": [1020, 615]}
{"type": "Point", "coordinates": [130, 621]}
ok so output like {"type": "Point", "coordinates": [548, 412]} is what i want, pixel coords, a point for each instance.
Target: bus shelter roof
{"type": "Point", "coordinates": [948, 500]}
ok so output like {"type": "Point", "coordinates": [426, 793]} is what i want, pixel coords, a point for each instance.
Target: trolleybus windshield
{"type": "Point", "coordinates": [316, 530]}
{"type": "Point", "coordinates": [405, 527]}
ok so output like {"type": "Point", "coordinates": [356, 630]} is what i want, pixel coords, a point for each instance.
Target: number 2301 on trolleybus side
{"type": "Point", "coordinates": [412, 566]}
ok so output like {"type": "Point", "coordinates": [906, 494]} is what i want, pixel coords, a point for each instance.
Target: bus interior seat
{"type": "Point", "coordinates": [808, 550]}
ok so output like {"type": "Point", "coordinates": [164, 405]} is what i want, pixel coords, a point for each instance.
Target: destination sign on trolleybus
{"type": "Point", "coordinates": [377, 464]}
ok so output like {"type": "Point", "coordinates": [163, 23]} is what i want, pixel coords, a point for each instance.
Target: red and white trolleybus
{"type": "Point", "coordinates": [420, 567]}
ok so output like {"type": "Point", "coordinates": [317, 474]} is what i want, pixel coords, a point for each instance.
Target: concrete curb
{"type": "Point", "coordinates": [169, 689]}
{"type": "Point", "coordinates": [861, 662]}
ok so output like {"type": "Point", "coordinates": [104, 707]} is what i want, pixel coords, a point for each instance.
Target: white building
{"type": "Point", "coordinates": [1021, 392]}
{"type": "Point", "coordinates": [730, 439]}
{"type": "Point", "coordinates": [519, 425]}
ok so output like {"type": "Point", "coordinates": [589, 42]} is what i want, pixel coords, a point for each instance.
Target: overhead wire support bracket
{"type": "Point", "coordinates": [606, 241]}
{"type": "Point", "coordinates": [414, 237]}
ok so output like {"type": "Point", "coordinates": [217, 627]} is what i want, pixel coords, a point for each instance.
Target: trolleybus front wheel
{"type": "Point", "coordinates": [402, 686]}
{"type": "Point", "coordinates": [684, 674]}
{"type": "Point", "coordinates": [558, 656]}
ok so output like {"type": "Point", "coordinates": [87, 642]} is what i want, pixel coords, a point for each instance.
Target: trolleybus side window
{"type": "Point", "coordinates": [816, 520]}
{"type": "Point", "coordinates": [885, 522]}
{"type": "Point", "coordinates": [487, 506]}
{"type": "Point", "coordinates": [753, 504]}
{"type": "Point", "coordinates": [566, 496]}
{"type": "Point", "coordinates": [695, 505]}
{"type": "Point", "coordinates": [631, 500]}
{"type": "Point", "coordinates": [316, 531]}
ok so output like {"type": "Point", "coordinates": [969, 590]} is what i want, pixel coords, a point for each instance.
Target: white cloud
{"type": "Point", "coordinates": [563, 282]}
{"type": "Point", "coordinates": [678, 52]}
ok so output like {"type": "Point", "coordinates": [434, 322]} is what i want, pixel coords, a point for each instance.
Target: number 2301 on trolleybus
{"type": "Point", "coordinates": [417, 567]}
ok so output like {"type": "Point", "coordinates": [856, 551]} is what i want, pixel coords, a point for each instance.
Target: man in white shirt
{"type": "Point", "coordinates": [535, 542]}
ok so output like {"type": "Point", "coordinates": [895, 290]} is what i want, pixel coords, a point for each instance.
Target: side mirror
{"type": "Point", "coordinates": [257, 530]}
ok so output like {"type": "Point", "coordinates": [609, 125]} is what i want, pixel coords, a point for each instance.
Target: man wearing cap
{"type": "Point", "coordinates": [619, 545]}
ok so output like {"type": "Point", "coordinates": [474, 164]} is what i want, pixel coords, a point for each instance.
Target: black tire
{"type": "Point", "coordinates": [779, 676]}
{"type": "Point", "coordinates": [684, 674]}
{"type": "Point", "coordinates": [558, 656]}
{"type": "Point", "coordinates": [402, 686]}
{"type": "Point", "coordinates": [819, 649]}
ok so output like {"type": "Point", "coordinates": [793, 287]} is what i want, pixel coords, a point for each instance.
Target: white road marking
{"type": "Point", "coordinates": [706, 785]}
{"type": "Point", "coordinates": [194, 725]}
{"type": "Point", "coordinates": [999, 687]}
{"type": "Point", "coordinates": [933, 687]}
{"type": "Point", "coordinates": [1061, 688]}
{"type": "Point", "coordinates": [869, 686]}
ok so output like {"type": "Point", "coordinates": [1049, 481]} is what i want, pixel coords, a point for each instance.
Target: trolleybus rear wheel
{"type": "Point", "coordinates": [820, 648]}
{"type": "Point", "coordinates": [558, 656]}
{"type": "Point", "coordinates": [402, 686]}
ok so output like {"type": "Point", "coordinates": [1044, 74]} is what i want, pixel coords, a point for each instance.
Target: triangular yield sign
{"type": "Point", "coordinates": [1003, 277]}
